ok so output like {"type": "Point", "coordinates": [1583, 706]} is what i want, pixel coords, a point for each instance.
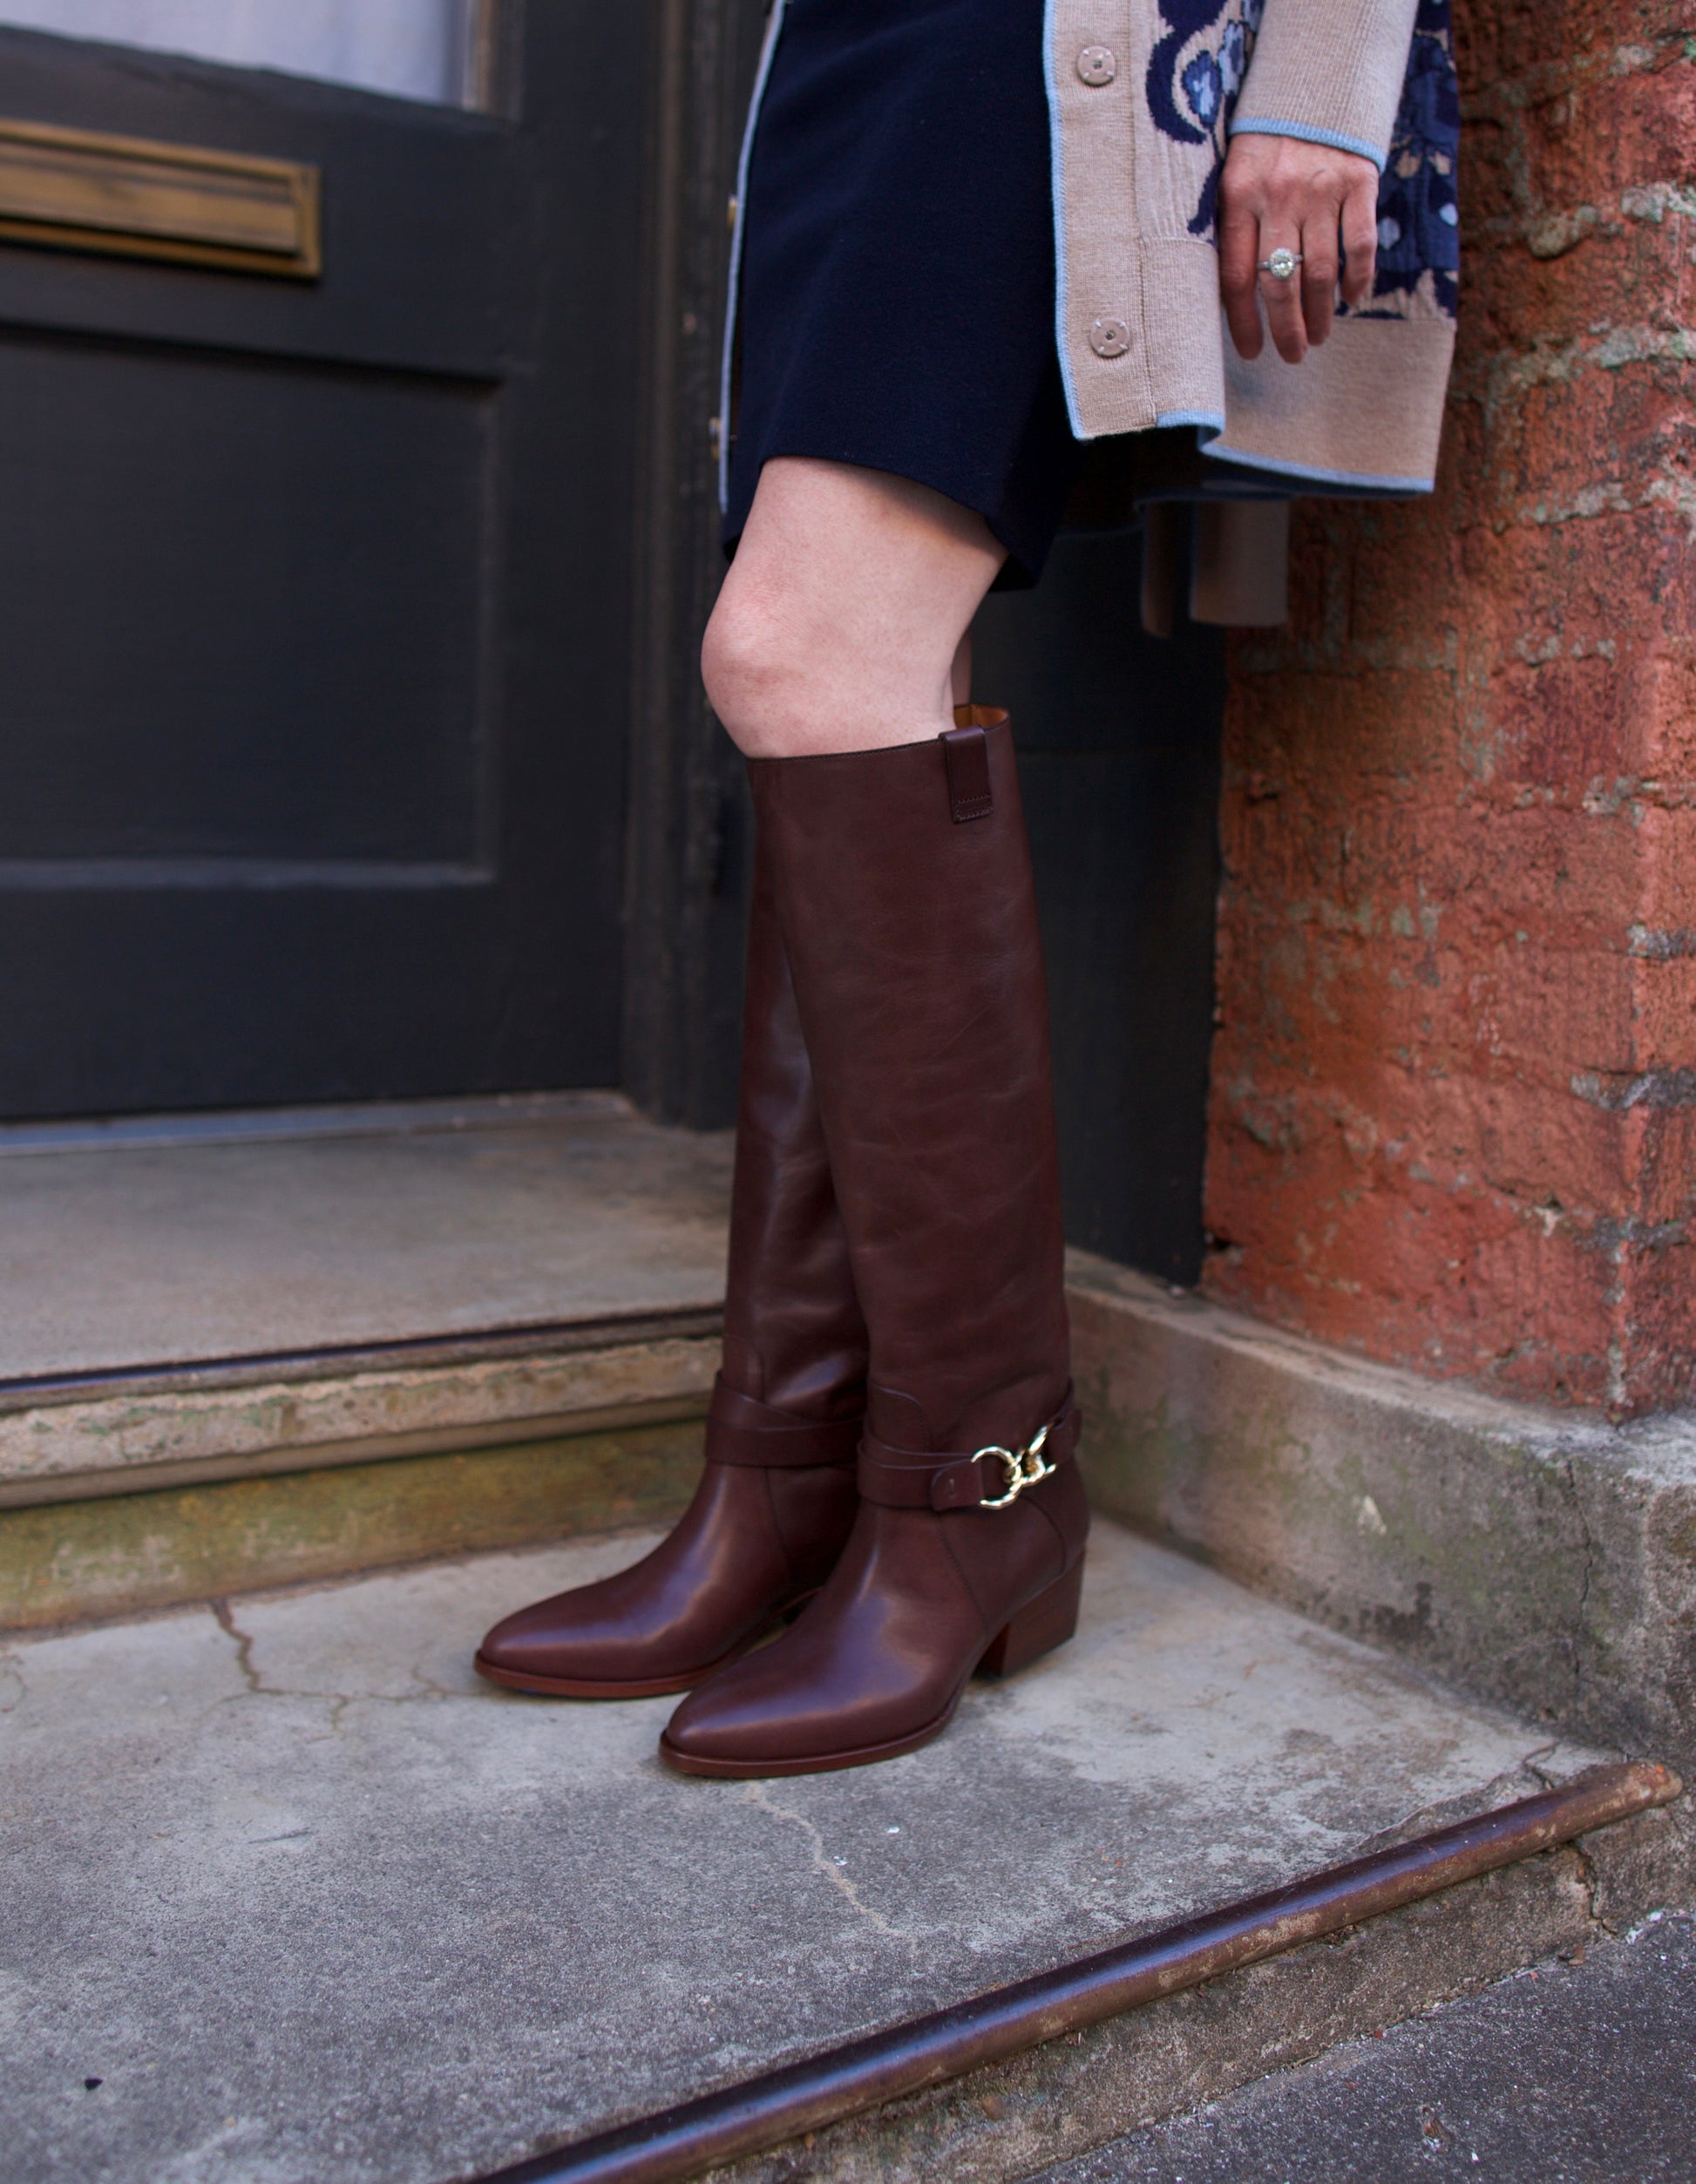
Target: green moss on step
{"type": "Point", "coordinates": [70, 1561]}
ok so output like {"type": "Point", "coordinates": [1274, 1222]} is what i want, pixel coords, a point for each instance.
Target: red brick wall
{"type": "Point", "coordinates": [1454, 1113]}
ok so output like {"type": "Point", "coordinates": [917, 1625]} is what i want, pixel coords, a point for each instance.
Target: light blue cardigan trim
{"type": "Point", "coordinates": [1334, 138]}
{"type": "Point", "coordinates": [733, 294]}
{"type": "Point", "coordinates": [1362, 481]}
{"type": "Point", "coordinates": [1057, 190]}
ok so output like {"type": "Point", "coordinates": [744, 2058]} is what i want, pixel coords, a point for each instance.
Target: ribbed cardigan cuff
{"type": "Point", "coordinates": [1329, 72]}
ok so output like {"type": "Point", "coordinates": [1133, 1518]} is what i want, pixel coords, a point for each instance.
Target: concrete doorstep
{"type": "Point", "coordinates": [289, 1896]}
{"type": "Point", "coordinates": [304, 1901]}
{"type": "Point", "coordinates": [240, 1350]}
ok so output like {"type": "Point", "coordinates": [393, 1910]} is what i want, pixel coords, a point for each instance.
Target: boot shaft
{"type": "Point", "coordinates": [794, 1334]}
{"type": "Point", "coordinates": [904, 892]}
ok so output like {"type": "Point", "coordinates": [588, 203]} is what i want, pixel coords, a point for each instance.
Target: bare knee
{"type": "Point", "coordinates": [789, 673]}
{"type": "Point", "coordinates": [753, 662]}
{"type": "Point", "coordinates": [840, 621]}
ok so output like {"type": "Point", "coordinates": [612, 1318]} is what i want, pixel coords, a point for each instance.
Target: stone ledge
{"type": "Point", "coordinates": [1539, 1558]}
{"type": "Point", "coordinates": [176, 1429]}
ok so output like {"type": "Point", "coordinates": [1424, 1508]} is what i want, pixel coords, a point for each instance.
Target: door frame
{"type": "Point", "coordinates": [688, 826]}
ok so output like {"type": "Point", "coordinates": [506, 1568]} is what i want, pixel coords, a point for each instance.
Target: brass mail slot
{"type": "Point", "coordinates": [138, 199]}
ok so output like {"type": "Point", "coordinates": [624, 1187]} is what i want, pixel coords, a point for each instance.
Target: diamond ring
{"type": "Point", "coordinates": [1281, 264]}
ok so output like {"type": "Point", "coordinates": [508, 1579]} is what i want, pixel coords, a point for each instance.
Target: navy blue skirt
{"type": "Point", "coordinates": [897, 267]}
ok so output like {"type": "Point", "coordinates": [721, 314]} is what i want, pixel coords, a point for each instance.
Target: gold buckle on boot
{"type": "Point", "coordinates": [1023, 1467]}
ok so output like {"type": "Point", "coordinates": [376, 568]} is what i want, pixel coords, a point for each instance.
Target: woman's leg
{"type": "Point", "coordinates": [776, 1497]}
{"type": "Point", "coordinates": [847, 613]}
{"type": "Point", "coordinates": [903, 888]}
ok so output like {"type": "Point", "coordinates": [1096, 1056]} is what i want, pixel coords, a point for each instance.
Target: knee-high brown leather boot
{"type": "Point", "coordinates": [904, 887]}
{"type": "Point", "coordinates": [777, 1499]}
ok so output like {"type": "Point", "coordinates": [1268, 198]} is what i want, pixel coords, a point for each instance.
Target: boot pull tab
{"type": "Point", "coordinates": [965, 752]}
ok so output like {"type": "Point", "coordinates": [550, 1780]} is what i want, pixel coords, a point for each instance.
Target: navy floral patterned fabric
{"type": "Point", "coordinates": [1195, 74]}
{"type": "Point", "coordinates": [1419, 233]}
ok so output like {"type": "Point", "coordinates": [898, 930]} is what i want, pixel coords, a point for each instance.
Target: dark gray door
{"type": "Point", "coordinates": [314, 595]}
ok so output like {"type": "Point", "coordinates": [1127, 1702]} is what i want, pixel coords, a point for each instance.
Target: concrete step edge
{"type": "Point", "coordinates": [1030, 2075]}
{"type": "Point", "coordinates": [75, 1440]}
{"type": "Point", "coordinates": [1542, 1559]}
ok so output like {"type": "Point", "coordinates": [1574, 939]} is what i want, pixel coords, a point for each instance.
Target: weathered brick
{"type": "Point", "coordinates": [1454, 1115]}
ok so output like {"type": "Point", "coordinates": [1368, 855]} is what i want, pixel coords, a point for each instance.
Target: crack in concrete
{"type": "Point", "coordinates": [1465, 1804]}
{"type": "Point", "coordinates": [1538, 1772]}
{"type": "Point", "coordinates": [1589, 1882]}
{"type": "Point", "coordinates": [243, 1644]}
{"type": "Point", "coordinates": [337, 1702]}
{"type": "Point", "coordinates": [432, 1689]}
{"type": "Point", "coordinates": [1586, 1578]}
{"type": "Point", "coordinates": [759, 1794]}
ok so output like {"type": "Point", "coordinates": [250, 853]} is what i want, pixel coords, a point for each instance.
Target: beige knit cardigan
{"type": "Point", "coordinates": [1140, 334]}
{"type": "Point", "coordinates": [1141, 337]}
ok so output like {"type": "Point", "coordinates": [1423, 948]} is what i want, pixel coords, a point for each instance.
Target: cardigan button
{"type": "Point", "coordinates": [1098, 66]}
{"type": "Point", "coordinates": [1110, 337]}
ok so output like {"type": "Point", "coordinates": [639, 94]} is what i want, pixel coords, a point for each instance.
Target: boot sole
{"type": "Point", "coordinates": [827, 1763]}
{"type": "Point", "coordinates": [1038, 1628]}
{"type": "Point", "coordinates": [635, 1687]}
{"type": "Point", "coordinates": [570, 1687]}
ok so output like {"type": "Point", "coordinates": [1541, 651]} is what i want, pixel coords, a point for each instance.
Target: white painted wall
{"type": "Point", "coordinates": [414, 49]}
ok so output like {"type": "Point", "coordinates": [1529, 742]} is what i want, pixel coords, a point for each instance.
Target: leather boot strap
{"type": "Point", "coordinates": [740, 1430]}
{"type": "Point", "coordinates": [992, 1477]}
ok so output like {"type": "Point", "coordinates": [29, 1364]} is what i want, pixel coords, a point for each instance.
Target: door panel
{"type": "Point", "coordinates": [313, 600]}
{"type": "Point", "coordinates": [261, 701]}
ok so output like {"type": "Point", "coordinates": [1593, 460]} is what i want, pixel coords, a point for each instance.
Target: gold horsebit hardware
{"type": "Point", "coordinates": [1023, 1467]}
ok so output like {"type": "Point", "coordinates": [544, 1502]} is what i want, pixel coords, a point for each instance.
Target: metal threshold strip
{"type": "Point", "coordinates": [780, 2105]}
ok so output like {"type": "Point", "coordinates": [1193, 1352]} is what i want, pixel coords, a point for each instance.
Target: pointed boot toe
{"type": "Point", "coordinates": [773, 1506]}
{"type": "Point", "coordinates": [738, 1733]}
{"type": "Point", "coordinates": [522, 1644]}
{"type": "Point", "coordinates": [722, 1728]}
{"type": "Point", "coordinates": [772, 1713]}
{"type": "Point", "coordinates": [600, 1641]}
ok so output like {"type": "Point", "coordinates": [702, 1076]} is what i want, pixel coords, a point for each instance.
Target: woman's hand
{"type": "Point", "coordinates": [1279, 192]}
